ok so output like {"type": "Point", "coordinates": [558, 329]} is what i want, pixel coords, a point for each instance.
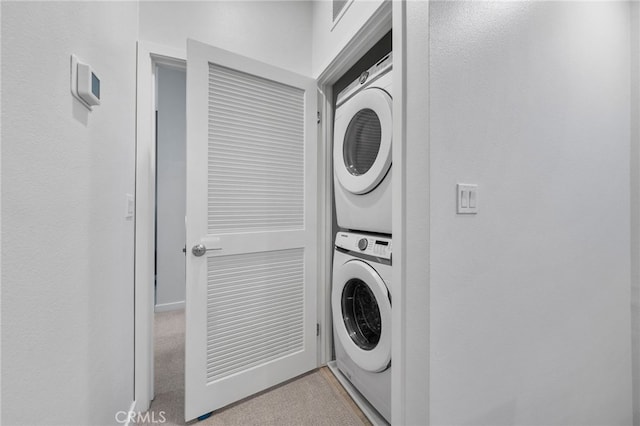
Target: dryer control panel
{"type": "Point", "coordinates": [372, 245]}
{"type": "Point", "coordinates": [366, 78]}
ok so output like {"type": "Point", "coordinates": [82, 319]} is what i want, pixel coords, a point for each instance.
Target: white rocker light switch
{"type": "Point", "coordinates": [467, 198]}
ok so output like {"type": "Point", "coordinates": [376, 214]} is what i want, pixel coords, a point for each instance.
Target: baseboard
{"type": "Point", "coordinates": [174, 306]}
{"type": "Point", "coordinates": [374, 417]}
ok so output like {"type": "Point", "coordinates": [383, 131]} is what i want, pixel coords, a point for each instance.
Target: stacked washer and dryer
{"type": "Point", "coordinates": [361, 292]}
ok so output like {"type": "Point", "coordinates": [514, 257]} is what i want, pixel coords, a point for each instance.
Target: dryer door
{"type": "Point", "coordinates": [362, 315]}
{"type": "Point", "coordinates": [362, 140]}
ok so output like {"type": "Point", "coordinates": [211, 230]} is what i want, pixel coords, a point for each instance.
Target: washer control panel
{"type": "Point", "coordinates": [371, 245]}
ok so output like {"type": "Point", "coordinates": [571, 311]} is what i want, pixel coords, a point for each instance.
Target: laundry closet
{"type": "Point", "coordinates": [361, 290]}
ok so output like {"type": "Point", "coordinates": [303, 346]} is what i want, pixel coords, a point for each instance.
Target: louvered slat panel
{"type": "Point", "coordinates": [254, 309]}
{"type": "Point", "coordinates": [256, 149]}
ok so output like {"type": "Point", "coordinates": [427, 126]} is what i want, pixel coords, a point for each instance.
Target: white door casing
{"type": "Point", "coordinates": [252, 201]}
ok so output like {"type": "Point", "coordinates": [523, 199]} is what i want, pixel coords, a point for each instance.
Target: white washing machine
{"type": "Point", "coordinates": [361, 310]}
{"type": "Point", "coordinates": [363, 130]}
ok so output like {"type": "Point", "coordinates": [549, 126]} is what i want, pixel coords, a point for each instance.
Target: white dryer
{"type": "Point", "coordinates": [363, 130]}
{"type": "Point", "coordinates": [361, 311]}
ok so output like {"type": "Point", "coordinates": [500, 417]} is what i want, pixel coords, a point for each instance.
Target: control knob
{"type": "Point", "coordinates": [362, 243]}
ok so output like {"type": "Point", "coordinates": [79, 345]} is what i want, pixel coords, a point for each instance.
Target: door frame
{"type": "Point", "coordinates": [149, 57]}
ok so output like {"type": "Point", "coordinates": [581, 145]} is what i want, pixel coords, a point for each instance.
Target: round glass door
{"type": "Point", "coordinates": [361, 314]}
{"type": "Point", "coordinates": [361, 310]}
{"type": "Point", "coordinates": [362, 140]}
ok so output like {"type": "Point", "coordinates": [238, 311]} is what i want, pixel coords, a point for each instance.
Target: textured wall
{"type": "Point", "coordinates": [67, 250]}
{"type": "Point", "coordinates": [275, 32]}
{"type": "Point", "coordinates": [530, 298]}
{"type": "Point", "coordinates": [635, 206]}
{"type": "Point", "coordinates": [329, 39]}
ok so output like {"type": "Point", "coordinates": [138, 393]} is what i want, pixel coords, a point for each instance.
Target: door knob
{"type": "Point", "coordinates": [200, 249]}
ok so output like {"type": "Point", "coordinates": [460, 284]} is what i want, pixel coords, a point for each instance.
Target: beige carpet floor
{"type": "Point", "coordinates": [314, 399]}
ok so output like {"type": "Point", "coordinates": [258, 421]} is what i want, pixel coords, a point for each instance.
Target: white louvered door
{"type": "Point", "coordinates": [252, 202]}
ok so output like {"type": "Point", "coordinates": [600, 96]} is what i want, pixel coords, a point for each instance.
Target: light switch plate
{"type": "Point", "coordinates": [467, 201]}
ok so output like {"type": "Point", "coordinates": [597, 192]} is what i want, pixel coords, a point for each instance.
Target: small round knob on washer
{"type": "Point", "coordinates": [362, 244]}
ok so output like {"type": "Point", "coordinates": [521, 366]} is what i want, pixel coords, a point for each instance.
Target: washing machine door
{"type": "Point", "coordinates": [362, 315]}
{"type": "Point", "coordinates": [362, 140]}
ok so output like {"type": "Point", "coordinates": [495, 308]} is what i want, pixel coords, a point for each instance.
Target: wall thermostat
{"type": "Point", "coordinates": [85, 84]}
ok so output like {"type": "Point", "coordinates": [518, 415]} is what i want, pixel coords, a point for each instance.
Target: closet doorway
{"type": "Point", "coordinates": [170, 189]}
{"type": "Point", "coordinates": [170, 281]}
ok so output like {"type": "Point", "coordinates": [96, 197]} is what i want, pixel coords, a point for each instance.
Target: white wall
{"type": "Point", "coordinates": [171, 188]}
{"type": "Point", "coordinates": [635, 207]}
{"type": "Point", "coordinates": [329, 40]}
{"type": "Point", "coordinates": [67, 253]}
{"type": "Point", "coordinates": [530, 319]}
{"type": "Point", "coordinates": [275, 32]}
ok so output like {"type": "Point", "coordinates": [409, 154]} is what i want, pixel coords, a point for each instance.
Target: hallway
{"type": "Point", "coordinates": [524, 310]}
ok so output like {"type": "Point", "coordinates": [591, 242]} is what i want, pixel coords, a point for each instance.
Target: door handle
{"type": "Point", "coordinates": [200, 249]}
